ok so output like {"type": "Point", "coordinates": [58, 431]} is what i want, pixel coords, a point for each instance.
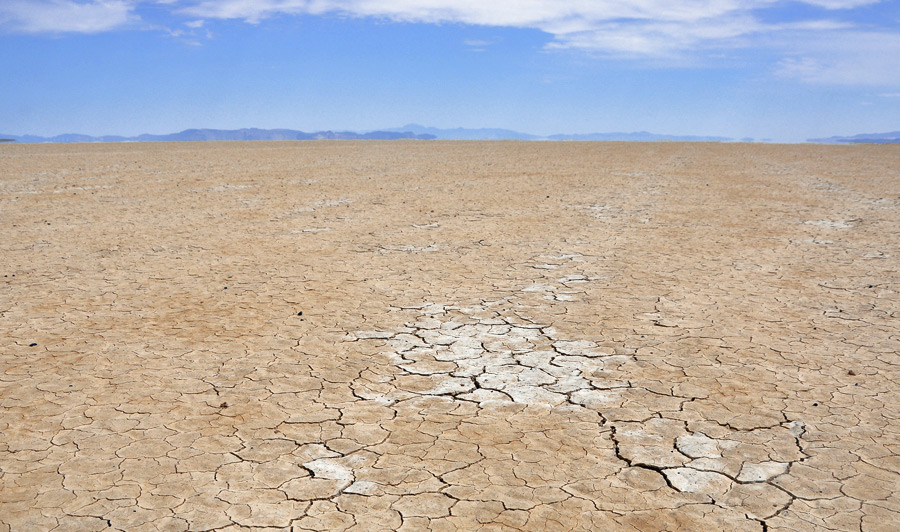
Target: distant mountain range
{"type": "Point", "coordinates": [418, 132]}
{"type": "Point", "coordinates": [467, 134]}
{"type": "Point", "coordinates": [867, 138]}
{"type": "Point", "coordinates": [506, 134]}
{"type": "Point", "coordinates": [222, 134]}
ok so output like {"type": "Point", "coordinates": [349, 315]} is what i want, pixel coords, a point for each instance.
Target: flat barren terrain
{"type": "Point", "coordinates": [449, 336]}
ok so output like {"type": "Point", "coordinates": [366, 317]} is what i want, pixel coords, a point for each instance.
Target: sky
{"type": "Point", "coordinates": [765, 69]}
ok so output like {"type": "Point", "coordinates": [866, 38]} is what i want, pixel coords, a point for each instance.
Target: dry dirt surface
{"type": "Point", "coordinates": [449, 336]}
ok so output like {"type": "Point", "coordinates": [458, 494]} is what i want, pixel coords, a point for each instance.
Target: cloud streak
{"type": "Point", "coordinates": [623, 28]}
{"type": "Point", "coordinates": [65, 16]}
{"type": "Point", "coordinates": [825, 48]}
{"type": "Point", "coordinates": [849, 59]}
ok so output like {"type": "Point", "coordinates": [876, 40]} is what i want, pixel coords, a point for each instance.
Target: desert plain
{"type": "Point", "coordinates": [423, 335]}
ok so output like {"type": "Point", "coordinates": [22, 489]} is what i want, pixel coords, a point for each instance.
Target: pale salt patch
{"type": "Point", "coordinates": [569, 384]}
{"type": "Point", "coordinates": [452, 385]}
{"type": "Point", "coordinates": [564, 256]}
{"type": "Point", "coordinates": [331, 203]}
{"type": "Point", "coordinates": [370, 335]}
{"type": "Point", "coordinates": [796, 428]}
{"type": "Point", "coordinates": [362, 487]}
{"type": "Point", "coordinates": [222, 188]}
{"type": "Point", "coordinates": [410, 249]}
{"type": "Point", "coordinates": [698, 445]}
{"type": "Point", "coordinates": [573, 347]}
{"type": "Point", "coordinates": [466, 348]}
{"type": "Point", "coordinates": [596, 398]}
{"type": "Point", "coordinates": [762, 472]}
{"type": "Point", "coordinates": [876, 255]}
{"type": "Point", "coordinates": [710, 464]}
{"type": "Point", "coordinates": [831, 224]}
{"type": "Point", "coordinates": [326, 468]}
{"type": "Point", "coordinates": [534, 395]}
{"type": "Point", "coordinates": [572, 279]}
{"type": "Point", "coordinates": [538, 288]}
{"type": "Point", "coordinates": [484, 397]}
{"type": "Point", "coordinates": [692, 481]}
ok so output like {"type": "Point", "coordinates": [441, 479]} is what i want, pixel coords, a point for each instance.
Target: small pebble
{"type": "Point", "coordinates": [300, 313]}
{"type": "Point", "coordinates": [815, 404]}
{"type": "Point", "coordinates": [33, 344]}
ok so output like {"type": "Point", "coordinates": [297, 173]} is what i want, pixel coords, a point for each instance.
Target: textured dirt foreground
{"type": "Point", "coordinates": [494, 336]}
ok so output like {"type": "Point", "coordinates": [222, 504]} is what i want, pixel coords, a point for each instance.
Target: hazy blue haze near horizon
{"type": "Point", "coordinates": [769, 69]}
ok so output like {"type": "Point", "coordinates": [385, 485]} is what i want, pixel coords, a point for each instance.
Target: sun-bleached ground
{"type": "Point", "coordinates": [449, 336]}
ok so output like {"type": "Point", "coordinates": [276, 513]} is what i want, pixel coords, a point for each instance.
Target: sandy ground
{"type": "Point", "coordinates": [494, 336]}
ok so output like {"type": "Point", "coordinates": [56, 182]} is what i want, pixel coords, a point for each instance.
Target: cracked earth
{"type": "Point", "coordinates": [449, 336]}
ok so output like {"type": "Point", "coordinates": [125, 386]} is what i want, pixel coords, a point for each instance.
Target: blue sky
{"type": "Point", "coordinates": [784, 70]}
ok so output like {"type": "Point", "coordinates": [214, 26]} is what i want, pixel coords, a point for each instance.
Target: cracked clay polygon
{"type": "Point", "coordinates": [449, 336]}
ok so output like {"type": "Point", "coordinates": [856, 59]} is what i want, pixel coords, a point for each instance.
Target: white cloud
{"type": "Point", "coordinates": [850, 58]}
{"type": "Point", "coordinates": [64, 16]}
{"type": "Point", "coordinates": [840, 4]}
{"type": "Point", "coordinates": [573, 15]}
{"type": "Point", "coordinates": [616, 27]}
{"type": "Point", "coordinates": [814, 50]}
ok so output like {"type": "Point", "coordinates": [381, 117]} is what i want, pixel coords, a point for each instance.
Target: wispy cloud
{"type": "Point", "coordinates": [478, 43]}
{"type": "Point", "coordinates": [841, 4]}
{"type": "Point", "coordinates": [65, 16]}
{"type": "Point", "coordinates": [850, 58]}
{"type": "Point", "coordinates": [614, 27]}
{"type": "Point", "coordinates": [827, 47]}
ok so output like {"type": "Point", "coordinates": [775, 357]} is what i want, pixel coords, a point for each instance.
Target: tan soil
{"type": "Point", "coordinates": [496, 336]}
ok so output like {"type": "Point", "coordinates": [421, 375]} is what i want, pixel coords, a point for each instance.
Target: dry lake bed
{"type": "Point", "coordinates": [449, 336]}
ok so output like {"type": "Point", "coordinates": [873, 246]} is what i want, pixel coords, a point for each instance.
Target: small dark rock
{"type": "Point", "coordinates": [32, 344]}
{"type": "Point", "coordinates": [223, 405]}
{"type": "Point", "coordinates": [815, 404]}
{"type": "Point", "coordinates": [300, 313]}
{"type": "Point", "coordinates": [851, 372]}
{"type": "Point", "coordinates": [226, 288]}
